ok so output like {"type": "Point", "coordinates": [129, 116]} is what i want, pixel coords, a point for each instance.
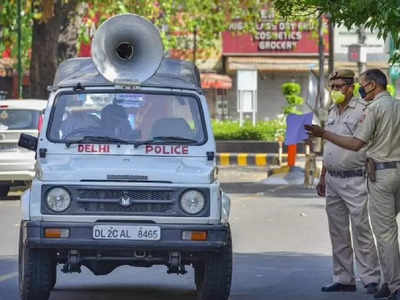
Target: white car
{"type": "Point", "coordinates": [16, 163]}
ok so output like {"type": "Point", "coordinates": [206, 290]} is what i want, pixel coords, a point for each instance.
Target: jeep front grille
{"type": "Point", "coordinates": [139, 195]}
{"type": "Point", "coordinates": [135, 201]}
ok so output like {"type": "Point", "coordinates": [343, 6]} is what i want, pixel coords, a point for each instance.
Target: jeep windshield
{"type": "Point", "coordinates": [126, 118]}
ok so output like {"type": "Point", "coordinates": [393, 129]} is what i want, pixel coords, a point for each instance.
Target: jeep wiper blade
{"type": "Point", "coordinates": [171, 139]}
{"type": "Point", "coordinates": [88, 139]}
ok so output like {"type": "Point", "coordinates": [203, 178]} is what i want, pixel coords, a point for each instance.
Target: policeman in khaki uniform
{"type": "Point", "coordinates": [380, 131]}
{"type": "Point", "coordinates": [343, 180]}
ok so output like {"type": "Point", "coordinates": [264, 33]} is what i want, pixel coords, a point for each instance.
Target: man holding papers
{"type": "Point", "coordinates": [343, 183]}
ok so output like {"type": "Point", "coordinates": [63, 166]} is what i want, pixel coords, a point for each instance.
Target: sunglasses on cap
{"type": "Point", "coordinates": [338, 86]}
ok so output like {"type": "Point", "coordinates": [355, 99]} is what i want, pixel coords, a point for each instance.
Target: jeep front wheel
{"type": "Point", "coordinates": [213, 275]}
{"type": "Point", "coordinates": [35, 272]}
{"type": "Point", "coordinates": [53, 275]}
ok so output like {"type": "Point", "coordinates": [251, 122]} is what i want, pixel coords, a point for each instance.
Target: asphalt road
{"type": "Point", "coordinates": [280, 241]}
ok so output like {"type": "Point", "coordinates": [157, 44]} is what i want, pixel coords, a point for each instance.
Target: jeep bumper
{"type": "Point", "coordinates": [81, 237]}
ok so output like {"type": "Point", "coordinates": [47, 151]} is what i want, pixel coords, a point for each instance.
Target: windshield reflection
{"type": "Point", "coordinates": [127, 117]}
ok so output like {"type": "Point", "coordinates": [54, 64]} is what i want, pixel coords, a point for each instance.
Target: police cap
{"type": "Point", "coordinates": [342, 74]}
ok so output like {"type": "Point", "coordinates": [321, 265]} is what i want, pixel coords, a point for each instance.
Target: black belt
{"type": "Point", "coordinates": [387, 165]}
{"type": "Point", "coordinates": [347, 173]}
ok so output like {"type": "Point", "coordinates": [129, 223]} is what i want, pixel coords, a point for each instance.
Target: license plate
{"type": "Point", "coordinates": [126, 232]}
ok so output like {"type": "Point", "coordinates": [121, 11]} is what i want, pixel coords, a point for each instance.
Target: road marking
{"type": "Point", "coordinates": [242, 159]}
{"type": "Point", "coordinates": [224, 159]}
{"type": "Point", "coordinates": [278, 188]}
{"type": "Point", "coordinates": [261, 159]}
{"type": "Point", "coordinates": [8, 276]}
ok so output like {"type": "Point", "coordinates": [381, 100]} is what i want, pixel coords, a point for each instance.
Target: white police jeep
{"type": "Point", "coordinates": [126, 169]}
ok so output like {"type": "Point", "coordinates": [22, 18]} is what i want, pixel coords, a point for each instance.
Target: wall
{"type": "Point", "coordinates": [270, 98]}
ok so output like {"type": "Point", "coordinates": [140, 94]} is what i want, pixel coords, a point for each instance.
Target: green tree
{"type": "Point", "coordinates": [44, 20]}
{"type": "Point", "coordinates": [292, 91]}
{"type": "Point", "coordinates": [382, 16]}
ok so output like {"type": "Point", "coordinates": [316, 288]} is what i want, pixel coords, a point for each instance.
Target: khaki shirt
{"type": "Point", "coordinates": [335, 157]}
{"type": "Point", "coordinates": [381, 128]}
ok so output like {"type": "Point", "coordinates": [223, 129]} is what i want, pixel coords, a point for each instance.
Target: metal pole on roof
{"type": "Point", "coordinates": [19, 49]}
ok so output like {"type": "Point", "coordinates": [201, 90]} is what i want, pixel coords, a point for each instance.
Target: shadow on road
{"type": "Point", "coordinates": [8, 278]}
{"type": "Point", "coordinates": [8, 264]}
{"type": "Point", "coordinates": [256, 276]}
{"type": "Point", "coordinates": [283, 276]}
{"type": "Point", "coordinates": [11, 198]}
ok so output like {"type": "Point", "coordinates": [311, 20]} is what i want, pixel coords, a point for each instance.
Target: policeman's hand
{"type": "Point", "coordinates": [321, 188]}
{"type": "Point", "coordinates": [314, 130]}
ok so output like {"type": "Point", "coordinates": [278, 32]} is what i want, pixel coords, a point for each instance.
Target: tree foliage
{"type": "Point", "coordinates": [8, 29]}
{"type": "Point", "coordinates": [292, 91]}
{"type": "Point", "coordinates": [382, 16]}
{"type": "Point", "coordinates": [176, 19]}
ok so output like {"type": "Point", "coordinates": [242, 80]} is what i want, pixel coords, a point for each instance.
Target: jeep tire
{"type": "Point", "coordinates": [213, 275]}
{"type": "Point", "coordinates": [35, 272]}
{"type": "Point", "coordinates": [53, 275]}
{"type": "Point", "coordinates": [4, 189]}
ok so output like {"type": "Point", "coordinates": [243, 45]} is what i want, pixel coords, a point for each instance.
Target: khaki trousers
{"type": "Point", "coordinates": [347, 205]}
{"type": "Point", "coordinates": [384, 204]}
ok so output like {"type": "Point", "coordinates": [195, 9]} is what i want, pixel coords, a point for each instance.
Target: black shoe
{"type": "Point", "coordinates": [372, 288]}
{"type": "Point", "coordinates": [338, 287]}
{"type": "Point", "coordinates": [395, 295]}
{"type": "Point", "coordinates": [383, 292]}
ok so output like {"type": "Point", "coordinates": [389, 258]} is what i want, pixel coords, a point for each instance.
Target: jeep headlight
{"type": "Point", "coordinates": [192, 201]}
{"type": "Point", "coordinates": [58, 199]}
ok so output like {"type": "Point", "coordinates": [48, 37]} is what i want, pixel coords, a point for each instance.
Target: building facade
{"type": "Point", "coordinates": [283, 52]}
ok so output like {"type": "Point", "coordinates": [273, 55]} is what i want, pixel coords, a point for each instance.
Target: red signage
{"type": "Point", "coordinates": [272, 38]}
{"type": "Point", "coordinates": [168, 149]}
{"type": "Point", "coordinates": [94, 148]}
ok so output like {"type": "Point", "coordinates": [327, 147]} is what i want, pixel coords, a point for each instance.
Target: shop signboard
{"type": "Point", "coordinates": [272, 37]}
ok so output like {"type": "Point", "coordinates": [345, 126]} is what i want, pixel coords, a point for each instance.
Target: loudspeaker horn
{"type": "Point", "coordinates": [127, 49]}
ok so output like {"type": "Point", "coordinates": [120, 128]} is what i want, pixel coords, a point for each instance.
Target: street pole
{"type": "Point", "coordinates": [361, 41]}
{"type": "Point", "coordinates": [321, 49]}
{"type": "Point", "coordinates": [320, 105]}
{"type": "Point", "coordinates": [194, 45]}
{"type": "Point", "coordinates": [331, 62]}
{"type": "Point", "coordinates": [19, 49]}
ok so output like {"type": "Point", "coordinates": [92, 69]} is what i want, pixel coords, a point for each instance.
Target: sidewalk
{"type": "Point", "coordinates": [251, 159]}
{"type": "Point", "coordinates": [267, 174]}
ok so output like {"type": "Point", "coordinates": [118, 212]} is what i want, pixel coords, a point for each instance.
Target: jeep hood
{"type": "Point", "coordinates": [59, 167]}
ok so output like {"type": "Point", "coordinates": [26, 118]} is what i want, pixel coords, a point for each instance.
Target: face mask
{"type": "Point", "coordinates": [362, 92]}
{"type": "Point", "coordinates": [337, 97]}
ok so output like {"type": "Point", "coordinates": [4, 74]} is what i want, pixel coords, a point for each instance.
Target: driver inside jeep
{"type": "Point", "coordinates": [128, 117]}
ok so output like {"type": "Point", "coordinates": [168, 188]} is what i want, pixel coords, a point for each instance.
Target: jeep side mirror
{"type": "Point", "coordinates": [28, 141]}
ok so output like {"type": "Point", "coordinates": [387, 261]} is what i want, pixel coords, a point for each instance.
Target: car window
{"type": "Point", "coordinates": [13, 119]}
{"type": "Point", "coordinates": [128, 116]}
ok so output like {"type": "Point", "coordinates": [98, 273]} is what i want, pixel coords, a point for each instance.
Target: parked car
{"type": "Point", "coordinates": [16, 163]}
